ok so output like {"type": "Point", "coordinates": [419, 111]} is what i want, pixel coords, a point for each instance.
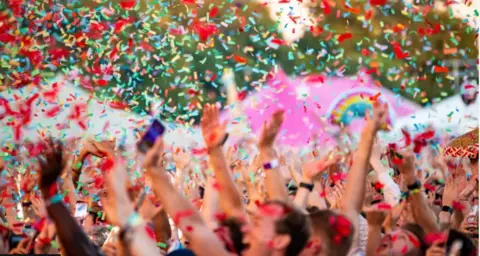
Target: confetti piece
{"type": "Point", "coordinates": [344, 37]}
{"type": "Point", "coordinates": [439, 69]}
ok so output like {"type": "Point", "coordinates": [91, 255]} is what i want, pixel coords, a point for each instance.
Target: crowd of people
{"type": "Point", "coordinates": [89, 197]}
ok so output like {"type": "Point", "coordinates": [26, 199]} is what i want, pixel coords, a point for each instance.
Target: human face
{"type": "Point", "coordinates": [260, 234]}
{"type": "Point", "coordinates": [399, 242]}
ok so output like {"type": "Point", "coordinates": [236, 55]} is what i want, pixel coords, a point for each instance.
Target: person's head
{"type": "Point", "coordinates": [332, 234]}
{"type": "Point", "coordinates": [275, 227]}
{"type": "Point", "coordinates": [407, 240]}
{"type": "Point", "coordinates": [467, 246]}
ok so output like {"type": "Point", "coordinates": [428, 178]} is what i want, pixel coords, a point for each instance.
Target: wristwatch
{"type": "Point", "coordinates": [447, 208]}
{"type": "Point", "coordinates": [307, 186]}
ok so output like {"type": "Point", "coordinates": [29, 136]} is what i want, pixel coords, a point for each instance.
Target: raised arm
{"type": "Point", "coordinates": [356, 179]}
{"type": "Point", "coordinates": [423, 215]}
{"type": "Point", "coordinates": [74, 241]}
{"type": "Point", "coordinates": [184, 214]}
{"type": "Point", "coordinates": [311, 172]}
{"type": "Point", "coordinates": [391, 191]}
{"type": "Point", "coordinates": [214, 135]}
{"type": "Point", "coordinates": [276, 189]}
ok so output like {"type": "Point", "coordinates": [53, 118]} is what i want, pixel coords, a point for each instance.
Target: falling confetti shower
{"type": "Point", "coordinates": [133, 53]}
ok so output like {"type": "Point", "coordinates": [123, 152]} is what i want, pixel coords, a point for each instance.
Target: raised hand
{"type": "Point", "coordinates": [376, 215]}
{"type": "Point", "coordinates": [406, 165]}
{"type": "Point", "coordinates": [51, 164]}
{"type": "Point", "coordinates": [28, 181]}
{"type": "Point", "coordinates": [213, 132]}
{"type": "Point", "coordinates": [471, 187]}
{"type": "Point", "coordinates": [116, 203]}
{"type": "Point", "coordinates": [270, 130]}
{"type": "Point", "coordinates": [153, 161]}
{"type": "Point", "coordinates": [38, 206]}
{"type": "Point", "coordinates": [380, 116]}
{"type": "Point", "coordinates": [312, 169]}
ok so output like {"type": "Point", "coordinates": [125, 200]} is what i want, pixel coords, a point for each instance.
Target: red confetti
{"type": "Point", "coordinates": [278, 41]}
{"type": "Point", "coordinates": [180, 215]}
{"type": "Point", "coordinates": [440, 69]}
{"type": "Point", "coordinates": [458, 206]}
{"type": "Point", "coordinates": [150, 232]}
{"type": "Point", "coordinates": [338, 176]}
{"type": "Point", "coordinates": [368, 15]}
{"type": "Point", "coordinates": [239, 59]}
{"type": "Point", "coordinates": [53, 112]}
{"type": "Point", "coordinates": [408, 139]}
{"type": "Point", "coordinates": [375, 97]}
{"type": "Point", "coordinates": [316, 79]}
{"type": "Point", "coordinates": [128, 4]}
{"type": "Point", "coordinates": [383, 206]}
{"type": "Point", "coordinates": [420, 140]}
{"type": "Point", "coordinates": [344, 37]}
{"type": "Point", "coordinates": [342, 227]}
{"type": "Point", "coordinates": [326, 7]}
{"type": "Point", "coordinates": [102, 82]}
{"type": "Point", "coordinates": [120, 24]}
{"type": "Point", "coordinates": [378, 2]}
{"type": "Point", "coordinates": [433, 237]}
{"type": "Point", "coordinates": [429, 187]}
{"type": "Point", "coordinates": [204, 30]}
{"type": "Point", "coordinates": [38, 226]}
{"type": "Point", "coordinates": [53, 190]}
{"type": "Point", "coordinates": [414, 241]}
{"type": "Point", "coordinates": [378, 185]}
{"type": "Point", "coordinates": [399, 53]}
{"type": "Point", "coordinates": [213, 12]}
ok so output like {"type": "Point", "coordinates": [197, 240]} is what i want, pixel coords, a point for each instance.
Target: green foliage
{"type": "Point", "coordinates": [434, 39]}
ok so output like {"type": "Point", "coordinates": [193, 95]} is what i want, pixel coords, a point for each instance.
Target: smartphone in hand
{"type": "Point", "coordinates": [154, 131]}
{"type": "Point", "coordinates": [81, 209]}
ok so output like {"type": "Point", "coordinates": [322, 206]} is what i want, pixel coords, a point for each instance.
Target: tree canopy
{"type": "Point", "coordinates": [133, 52]}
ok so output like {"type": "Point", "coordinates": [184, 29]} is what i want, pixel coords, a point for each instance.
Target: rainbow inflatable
{"type": "Point", "coordinates": [353, 104]}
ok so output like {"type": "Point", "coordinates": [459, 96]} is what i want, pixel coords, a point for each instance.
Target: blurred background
{"type": "Point", "coordinates": [105, 67]}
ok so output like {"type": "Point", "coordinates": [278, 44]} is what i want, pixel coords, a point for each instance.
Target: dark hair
{"type": "Point", "coordinates": [474, 160]}
{"type": "Point", "coordinates": [294, 223]}
{"type": "Point", "coordinates": [322, 228]}
{"type": "Point", "coordinates": [234, 227]}
{"type": "Point", "coordinates": [417, 231]}
{"type": "Point", "coordinates": [468, 248]}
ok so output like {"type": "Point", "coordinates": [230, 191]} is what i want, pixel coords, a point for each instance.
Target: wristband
{"type": "Point", "coordinates": [414, 188]}
{"type": "Point", "coordinates": [26, 204]}
{"type": "Point", "coordinates": [447, 208]}
{"type": "Point", "coordinates": [307, 186]}
{"type": "Point", "coordinates": [133, 221]}
{"type": "Point", "coordinates": [55, 200]}
{"type": "Point", "coordinates": [271, 165]}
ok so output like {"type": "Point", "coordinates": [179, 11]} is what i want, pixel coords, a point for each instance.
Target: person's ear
{"type": "Point", "coordinates": [281, 242]}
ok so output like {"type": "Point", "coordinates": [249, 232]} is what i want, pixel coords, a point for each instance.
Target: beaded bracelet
{"type": "Point", "coordinates": [133, 221]}
{"type": "Point", "coordinates": [58, 198]}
